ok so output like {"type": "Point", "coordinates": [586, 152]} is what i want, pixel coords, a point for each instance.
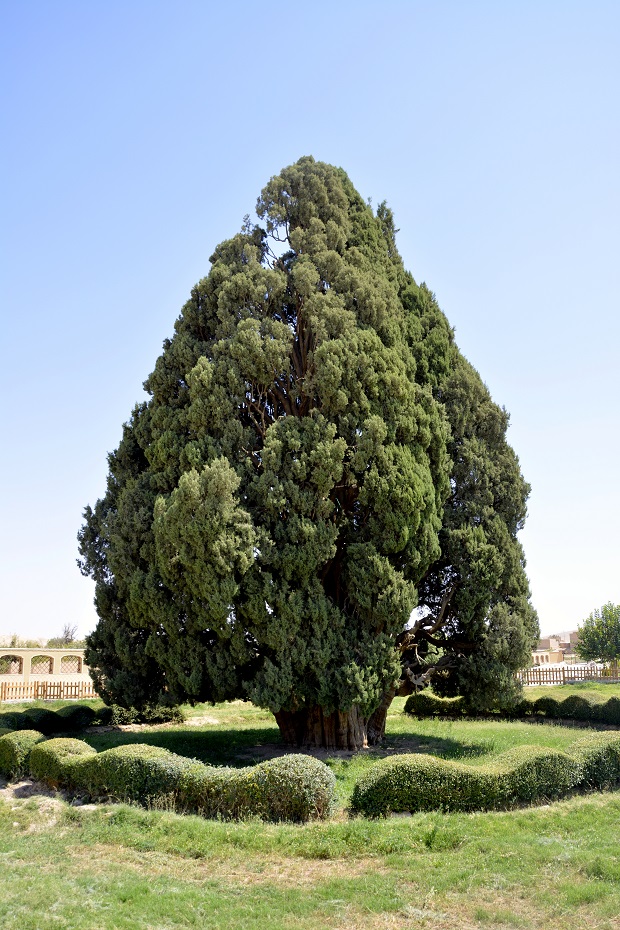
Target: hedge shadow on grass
{"type": "Point", "coordinates": [211, 746]}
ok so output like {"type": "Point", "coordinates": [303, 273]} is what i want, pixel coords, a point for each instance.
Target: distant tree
{"type": "Point", "coordinates": [19, 643]}
{"type": "Point", "coordinates": [66, 638]}
{"type": "Point", "coordinates": [316, 460]}
{"type": "Point", "coordinates": [68, 633]}
{"type": "Point", "coordinates": [599, 635]}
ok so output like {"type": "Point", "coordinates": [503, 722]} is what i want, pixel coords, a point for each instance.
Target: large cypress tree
{"type": "Point", "coordinates": [316, 460]}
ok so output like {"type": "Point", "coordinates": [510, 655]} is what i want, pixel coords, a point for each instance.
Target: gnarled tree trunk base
{"type": "Point", "coordinates": [312, 728]}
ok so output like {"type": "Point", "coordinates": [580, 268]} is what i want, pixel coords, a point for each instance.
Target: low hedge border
{"type": "Point", "coordinates": [525, 774]}
{"type": "Point", "coordinates": [574, 707]}
{"type": "Point", "coordinates": [15, 749]}
{"type": "Point", "coordinates": [72, 718]}
{"type": "Point", "coordinates": [76, 717]}
{"type": "Point", "coordinates": [50, 761]}
{"type": "Point", "coordinates": [294, 788]}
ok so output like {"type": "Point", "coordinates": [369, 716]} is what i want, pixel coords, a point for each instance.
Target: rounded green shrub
{"type": "Point", "coordinates": [418, 783]}
{"type": "Point", "coordinates": [75, 717]}
{"type": "Point", "coordinates": [148, 774]}
{"type": "Point", "coordinates": [535, 773]}
{"type": "Point", "coordinates": [427, 704]}
{"type": "Point", "coordinates": [609, 712]}
{"type": "Point", "coordinates": [52, 760]}
{"type": "Point", "coordinates": [4, 730]}
{"type": "Point", "coordinates": [42, 719]}
{"type": "Point", "coordinates": [121, 716]}
{"type": "Point", "coordinates": [293, 787]}
{"type": "Point", "coordinates": [520, 708]}
{"type": "Point", "coordinates": [296, 787]}
{"type": "Point", "coordinates": [15, 751]}
{"type": "Point", "coordinates": [162, 713]}
{"type": "Point", "coordinates": [576, 707]}
{"type": "Point", "coordinates": [103, 715]}
{"type": "Point", "coordinates": [13, 720]}
{"type": "Point", "coordinates": [547, 706]}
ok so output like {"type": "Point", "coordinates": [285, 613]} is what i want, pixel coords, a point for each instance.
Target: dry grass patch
{"type": "Point", "coordinates": [263, 870]}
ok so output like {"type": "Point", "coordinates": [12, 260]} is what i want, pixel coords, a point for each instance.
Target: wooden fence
{"type": "Point", "coordinates": [567, 675]}
{"type": "Point", "coordinates": [46, 690]}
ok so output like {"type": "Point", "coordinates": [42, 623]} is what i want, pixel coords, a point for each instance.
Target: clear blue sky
{"type": "Point", "coordinates": [136, 135]}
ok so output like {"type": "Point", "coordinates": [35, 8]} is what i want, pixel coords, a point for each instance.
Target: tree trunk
{"type": "Point", "coordinates": [376, 721]}
{"type": "Point", "coordinates": [312, 728]}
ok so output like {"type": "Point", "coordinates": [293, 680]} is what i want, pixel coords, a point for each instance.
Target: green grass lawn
{"type": "Point", "coordinates": [115, 867]}
{"type": "Point", "coordinates": [591, 690]}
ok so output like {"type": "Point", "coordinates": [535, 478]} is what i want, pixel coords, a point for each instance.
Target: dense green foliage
{"type": "Point", "coordinates": [315, 461]}
{"type": "Point", "coordinates": [148, 713]}
{"type": "Point", "coordinates": [522, 775]}
{"type": "Point", "coordinates": [15, 751]}
{"type": "Point", "coordinates": [75, 717]}
{"type": "Point", "coordinates": [599, 635]}
{"type": "Point", "coordinates": [295, 788]}
{"type": "Point", "coordinates": [573, 707]}
{"type": "Point", "coordinates": [69, 719]}
{"type": "Point", "coordinates": [50, 761]}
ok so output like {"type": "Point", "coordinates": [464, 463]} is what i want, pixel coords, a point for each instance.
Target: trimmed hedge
{"type": "Point", "coordinates": [68, 719]}
{"type": "Point", "coordinates": [51, 761]}
{"type": "Point", "coordinates": [12, 720]}
{"type": "Point", "coordinates": [599, 757]}
{"type": "Point", "coordinates": [427, 704]}
{"type": "Point", "coordinates": [15, 751]}
{"type": "Point", "coordinates": [147, 774]}
{"type": "Point", "coordinates": [151, 713]}
{"type": "Point", "coordinates": [574, 707]}
{"type": "Point", "coordinates": [526, 774]}
{"type": "Point", "coordinates": [42, 719]}
{"type": "Point", "coordinates": [76, 717]}
{"type": "Point", "coordinates": [295, 787]}
{"type": "Point", "coordinates": [292, 787]}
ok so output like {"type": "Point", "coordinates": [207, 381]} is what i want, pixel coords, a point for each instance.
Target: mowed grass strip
{"type": "Point", "coordinates": [122, 867]}
{"type": "Point", "coordinates": [598, 691]}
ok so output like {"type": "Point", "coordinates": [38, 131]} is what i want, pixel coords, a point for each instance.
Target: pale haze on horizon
{"type": "Point", "coordinates": [136, 137]}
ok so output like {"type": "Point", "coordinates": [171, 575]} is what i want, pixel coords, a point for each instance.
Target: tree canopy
{"type": "Point", "coordinates": [599, 635]}
{"type": "Point", "coordinates": [315, 462]}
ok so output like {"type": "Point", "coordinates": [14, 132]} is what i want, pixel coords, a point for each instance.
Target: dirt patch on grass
{"type": "Point", "coordinates": [47, 799]}
{"type": "Point", "coordinates": [130, 727]}
{"type": "Point", "coordinates": [512, 908]}
{"type": "Point", "coordinates": [48, 804]}
{"type": "Point", "coordinates": [204, 721]}
{"type": "Point", "coordinates": [24, 789]}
